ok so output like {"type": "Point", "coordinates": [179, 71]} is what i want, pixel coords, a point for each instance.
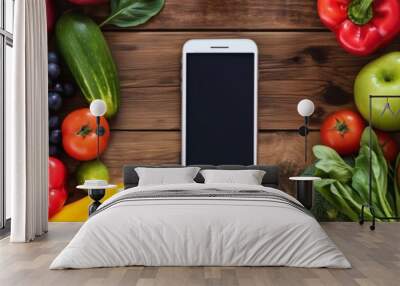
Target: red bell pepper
{"type": "Point", "coordinates": [57, 173]}
{"type": "Point", "coordinates": [361, 26]}
{"type": "Point", "coordinates": [57, 198]}
{"type": "Point", "coordinates": [57, 180]}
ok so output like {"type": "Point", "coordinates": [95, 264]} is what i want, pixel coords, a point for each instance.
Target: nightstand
{"type": "Point", "coordinates": [305, 190]}
{"type": "Point", "coordinates": [96, 191]}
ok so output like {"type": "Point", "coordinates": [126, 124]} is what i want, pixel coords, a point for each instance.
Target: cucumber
{"type": "Point", "coordinates": [84, 49]}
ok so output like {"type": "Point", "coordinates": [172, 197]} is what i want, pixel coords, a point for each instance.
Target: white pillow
{"type": "Point", "coordinates": [248, 177]}
{"type": "Point", "coordinates": [166, 176]}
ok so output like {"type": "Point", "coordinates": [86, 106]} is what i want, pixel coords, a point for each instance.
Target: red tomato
{"type": "Point", "coordinates": [57, 198]}
{"type": "Point", "coordinates": [57, 173]}
{"type": "Point", "coordinates": [79, 135]}
{"type": "Point", "coordinates": [388, 145]}
{"type": "Point", "coordinates": [342, 131]}
{"type": "Point", "coordinates": [51, 17]}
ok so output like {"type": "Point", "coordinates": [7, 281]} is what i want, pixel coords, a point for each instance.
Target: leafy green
{"type": "Point", "coordinates": [331, 164]}
{"type": "Point", "coordinates": [324, 211]}
{"type": "Point", "coordinates": [130, 13]}
{"type": "Point", "coordinates": [374, 142]}
{"type": "Point", "coordinates": [380, 170]}
{"type": "Point", "coordinates": [341, 196]}
{"type": "Point", "coordinates": [346, 187]}
{"type": "Point", "coordinates": [379, 179]}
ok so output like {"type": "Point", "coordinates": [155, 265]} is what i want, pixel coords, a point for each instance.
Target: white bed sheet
{"type": "Point", "coordinates": [200, 232]}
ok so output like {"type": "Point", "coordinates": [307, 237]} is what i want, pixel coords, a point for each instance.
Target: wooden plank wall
{"type": "Point", "coordinates": [298, 58]}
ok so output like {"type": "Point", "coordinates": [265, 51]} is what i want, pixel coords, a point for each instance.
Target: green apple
{"type": "Point", "coordinates": [380, 77]}
{"type": "Point", "coordinates": [92, 170]}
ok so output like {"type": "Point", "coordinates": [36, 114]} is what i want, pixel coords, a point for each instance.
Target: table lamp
{"type": "Point", "coordinates": [96, 188]}
{"type": "Point", "coordinates": [305, 108]}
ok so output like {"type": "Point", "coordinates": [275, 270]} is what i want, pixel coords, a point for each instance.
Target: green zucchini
{"type": "Point", "coordinates": [84, 49]}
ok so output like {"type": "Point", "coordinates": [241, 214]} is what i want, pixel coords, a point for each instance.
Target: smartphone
{"type": "Point", "coordinates": [219, 102]}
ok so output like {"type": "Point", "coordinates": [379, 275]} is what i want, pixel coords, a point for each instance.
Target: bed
{"type": "Point", "coordinates": [197, 224]}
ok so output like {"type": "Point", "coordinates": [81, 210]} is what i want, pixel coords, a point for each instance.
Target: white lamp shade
{"type": "Point", "coordinates": [305, 107]}
{"type": "Point", "coordinates": [98, 107]}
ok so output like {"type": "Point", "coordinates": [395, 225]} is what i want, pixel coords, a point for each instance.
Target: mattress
{"type": "Point", "coordinates": [201, 225]}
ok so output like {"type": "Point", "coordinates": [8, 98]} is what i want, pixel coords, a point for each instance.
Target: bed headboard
{"type": "Point", "coordinates": [271, 177]}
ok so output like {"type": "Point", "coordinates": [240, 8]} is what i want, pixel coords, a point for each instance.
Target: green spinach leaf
{"type": "Point", "coordinates": [129, 13]}
{"type": "Point", "coordinates": [346, 187]}
{"type": "Point", "coordinates": [379, 179]}
{"type": "Point", "coordinates": [332, 164]}
{"type": "Point", "coordinates": [379, 176]}
{"type": "Point", "coordinates": [374, 142]}
{"type": "Point", "coordinates": [342, 197]}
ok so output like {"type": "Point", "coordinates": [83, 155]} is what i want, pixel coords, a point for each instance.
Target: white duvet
{"type": "Point", "coordinates": [200, 231]}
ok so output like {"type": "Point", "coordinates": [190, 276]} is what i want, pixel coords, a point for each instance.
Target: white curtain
{"type": "Point", "coordinates": [27, 124]}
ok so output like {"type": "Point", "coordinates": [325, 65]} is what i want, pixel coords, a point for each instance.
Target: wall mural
{"type": "Point", "coordinates": [343, 159]}
{"type": "Point", "coordinates": [80, 64]}
{"type": "Point", "coordinates": [82, 68]}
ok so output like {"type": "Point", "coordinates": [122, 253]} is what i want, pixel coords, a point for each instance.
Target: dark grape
{"type": "Point", "coordinates": [55, 101]}
{"type": "Point", "coordinates": [54, 122]}
{"type": "Point", "coordinates": [54, 70]}
{"type": "Point", "coordinates": [50, 84]}
{"type": "Point", "coordinates": [54, 150]}
{"type": "Point", "coordinates": [58, 87]}
{"type": "Point", "coordinates": [69, 89]}
{"type": "Point", "coordinates": [52, 57]}
{"type": "Point", "coordinates": [55, 136]}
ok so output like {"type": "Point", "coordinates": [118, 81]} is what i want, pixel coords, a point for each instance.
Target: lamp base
{"type": "Point", "coordinates": [96, 195]}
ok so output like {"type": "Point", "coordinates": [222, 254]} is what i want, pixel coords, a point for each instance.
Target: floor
{"type": "Point", "coordinates": [375, 257]}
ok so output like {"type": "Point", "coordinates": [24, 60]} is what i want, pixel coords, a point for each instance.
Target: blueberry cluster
{"type": "Point", "coordinates": [58, 89]}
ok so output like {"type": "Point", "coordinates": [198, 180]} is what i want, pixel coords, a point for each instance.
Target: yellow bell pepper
{"type": "Point", "coordinates": [78, 211]}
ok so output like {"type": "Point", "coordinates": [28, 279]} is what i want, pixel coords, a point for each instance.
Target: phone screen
{"type": "Point", "coordinates": [220, 108]}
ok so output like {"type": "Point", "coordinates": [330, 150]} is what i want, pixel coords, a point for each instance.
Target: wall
{"type": "Point", "coordinates": [298, 59]}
